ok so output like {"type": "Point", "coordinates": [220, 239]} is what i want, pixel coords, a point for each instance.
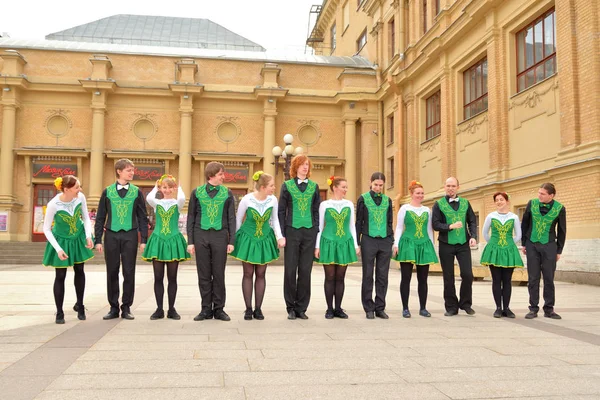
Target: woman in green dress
{"type": "Point", "coordinates": [501, 253]}
{"type": "Point", "coordinates": [337, 245]}
{"type": "Point", "coordinates": [166, 245]}
{"type": "Point", "coordinates": [413, 245]}
{"type": "Point", "coordinates": [257, 240]}
{"type": "Point", "coordinates": [68, 229]}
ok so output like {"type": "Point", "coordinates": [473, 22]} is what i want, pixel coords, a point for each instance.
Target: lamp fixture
{"type": "Point", "coordinates": [6, 89]}
{"type": "Point", "coordinates": [97, 93]}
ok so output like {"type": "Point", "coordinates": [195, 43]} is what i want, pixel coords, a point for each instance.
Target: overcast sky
{"type": "Point", "coordinates": [274, 24]}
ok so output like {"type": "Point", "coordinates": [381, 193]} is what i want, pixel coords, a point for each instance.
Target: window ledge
{"type": "Point", "coordinates": [472, 117]}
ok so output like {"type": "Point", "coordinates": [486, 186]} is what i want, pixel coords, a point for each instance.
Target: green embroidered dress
{"type": "Point", "coordinates": [257, 234]}
{"type": "Point", "coordinates": [65, 230]}
{"type": "Point", "coordinates": [501, 250]}
{"type": "Point", "coordinates": [166, 243]}
{"type": "Point", "coordinates": [414, 236]}
{"type": "Point", "coordinates": [336, 240]}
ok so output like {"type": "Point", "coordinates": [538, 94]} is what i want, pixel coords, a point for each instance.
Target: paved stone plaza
{"type": "Point", "coordinates": [460, 357]}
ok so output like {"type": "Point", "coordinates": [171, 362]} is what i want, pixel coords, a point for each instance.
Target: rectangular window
{"type": "Point", "coordinates": [346, 16]}
{"type": "Point", "coordinates": [475, 89]}
{"type": "Point", "coordinates": [433, 116]}
{"type": "Point", "coordinates": [536, 51]}
{"type": "Point", "coordinates": [425, 16]}
{"type": "Point", "coordinates": [391, 172]}
{"type": "Point", "coordinates": [520, 211]}
{"type": "Point", "coordinates": [333, 38]}
{"type": "Point", "coordinates": [362, 40]}
{"type": "Point", "coordinates": [390, 126]}
{"type": "Point", "coordinates": [392, 35]}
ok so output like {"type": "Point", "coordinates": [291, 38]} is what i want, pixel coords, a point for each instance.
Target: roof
{"type": "Point", "coordinates": [264, 56]}
{"type": "Point", "coordinates": [157, 31]}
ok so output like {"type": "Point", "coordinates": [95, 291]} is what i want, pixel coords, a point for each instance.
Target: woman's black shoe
{"type": "Point", "coordinates": [80, 312]}
{"type": "Point", "coordinates": [329, 314]}
{"type": "Point", "coordinates": [248, 314]}
{"type": "Point", "coordinates": [340, 313]}
{"type": "Point", "coordinates": [172, 314]}
{"type": "Point", "coordinates": [60, 317]}
{"type": "Point", "coordinates": [258, 314]}
{"type": "Point", "coordinates": [498, 313]}
{"type": "Point", "coordinates": [158, 314]}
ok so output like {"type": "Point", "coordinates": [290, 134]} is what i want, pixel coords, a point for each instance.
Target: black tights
{"type": "Point", "coordinates": [422, 273]}
{"type": "Point", "coordinates": [259, 284]}
{"type": "Point", "coordinates": [159, 287]}
{"type": "Point", "coordinates": [334, 284]}
{"type": "Point", "coordinates": [501, 285]}
{"type": "Point", "coordinates": [59, 286]}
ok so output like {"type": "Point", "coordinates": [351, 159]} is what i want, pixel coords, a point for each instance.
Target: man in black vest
{"type": "Point", "coordinates": [122, 211]}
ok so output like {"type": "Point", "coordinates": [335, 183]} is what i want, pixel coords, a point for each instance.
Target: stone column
{"type": "Point", "coordinates": [350, 155]}
{"type": "Point", "coordinates": [97, 155]}
{"type": "Point", "coordinates": [269, 143]}
{"type": "Point", "coordinates": [412, 139]}
{"type": "Point", "coordinates": [7, 157]}
{"type": "Point", "coordinates": [185, 147]}
{"type": "Point", "coordinates": [447, 136]}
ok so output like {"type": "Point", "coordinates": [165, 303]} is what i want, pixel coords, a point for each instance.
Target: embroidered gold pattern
{"type": "Point", "coordinates": [503, 231]}
{"type": "Point", "coordinates": [165, 216]}
{"type": "Point", "coordinates": [260, 220]}
{"type": "Point", "coordinates": [419, 222]}
{"type": "Point", "coordinates": [71, 220]}
{"type": "Point", "coordinates": [339, 218]}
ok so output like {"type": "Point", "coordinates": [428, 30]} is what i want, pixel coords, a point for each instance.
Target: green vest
{"type": "Point", "coordinates": [540, 232]}
{"type": "Point", "coordinates": [377, 215]}
{"type": "Point", "coordinates": [211, 209]}
{"type": "Point", "coordinates": [415, 226]}
{"type": "Point", "coordinates": [301, 204]}
{"type": "Point", "coordinates": [455, 236]}
{"type": "Point", "coordinates": [121, 208]}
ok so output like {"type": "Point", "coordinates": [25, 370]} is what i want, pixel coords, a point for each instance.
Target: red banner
{"type": "Point", "coordinates": [148, 173]}
{"type": "Point", "coordinates": [236, 175]}
{"type": "Point", "coordinates": [48, 170]}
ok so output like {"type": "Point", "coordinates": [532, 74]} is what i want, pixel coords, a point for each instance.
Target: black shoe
{"type": "Point", "coordinates": [450, 313]}
{"type": "Point", "coordinates": [301, 315]}
{"type": "Point", "coordinates": [127, 315]}
{"type": "Point", "coordinates": [370, 314]}
{"type": "Point", "coordinates": [469, 310]}
{"type": "Point", "coordinates": [406, 313]}
{"type": "Point", "coordinates": [172, 314]}
{"type": "Point", "coordinates": [75, 307]}
{"type": "Point", "coordinates": [424, 313]}
{"type": "Point", "coordinates": [508, 313]}
{"type": "Point", "coordinates": [498, 313]}
{"type": "Point", "coordinates": [531, 315]}
{"type": "Point", "coordinates": [340, 314]}
{"type": "Point", "coordinates": [381, 314]}
{"type": "Point", "coordinates": [552, 315]}
{"type": "Point", "coordinates": [60, 318]}
{"type": "Point", "coordinates": [111, 315]}
{"type": "Point", "coordinates": [258, 314]}
{"type": "Point", "coordinates": [292, 314]}
{"type": "Point", "coordinates": [80, 312]}
{"type": "Point", "coordinates": [205, 314]}
{"type": "Point", "coordinates": [248, 314]}
{"type": "Point", "coordinates": [329, 314]}
{"type": "Point", "coordinates": [158, 314]}
{"type": "Point", "coordinates": [222, 315]}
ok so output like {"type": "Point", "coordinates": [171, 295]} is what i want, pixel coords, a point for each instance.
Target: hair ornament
{"type": "Point", "coordinates": [58, 183]}
{"type": "Point", "coordinates": [164, 176]}
{"type": "Point", "coordinates": [414, 182]}
{"type": "Point", "coordinates": [257, 175]}
{"type": "Point", "coordinates": [330, 180]}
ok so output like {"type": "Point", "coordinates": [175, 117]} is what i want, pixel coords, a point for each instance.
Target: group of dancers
{"type": "Point", "coordinates": [328, 232]}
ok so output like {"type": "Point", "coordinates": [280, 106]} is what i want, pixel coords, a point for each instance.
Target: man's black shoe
{"type": "Point", "coordinates": [450, 313]}
{"type": "Point", "coordinates": [552, 315]}
{"type": "Point", "coordinates": [370, 314]}
{"type": "Point", "coordinates": [531, 315]}
{"type": "Point", "coordinates": [203, 315]}
{"type": "Point", "coordinates": [127, 315]}
{"type": "Point", "coordinates": [292, 314]}
{"type": "Point", "coordinates": [222, 315]}
{"type": "Point", "coordinates": [301, 315]}
{"type": "Point", "coordinates": [469, 310]}
{"type": "Point", "coordinates": [381, 314]}
{"type": "Point", "coordinates": [111, 315]}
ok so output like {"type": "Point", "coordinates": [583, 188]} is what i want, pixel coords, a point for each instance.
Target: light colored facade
{"type": "Point", "coordinates": [533, 115]}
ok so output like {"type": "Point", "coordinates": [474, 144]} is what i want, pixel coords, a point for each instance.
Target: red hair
{"type": "Point", "coordinates": [413, 185]}
{"type": "Point", "coordinates": [297, 162]}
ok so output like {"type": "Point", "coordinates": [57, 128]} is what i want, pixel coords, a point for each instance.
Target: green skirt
{"type": "Point", "coordinates": [416, 252]}
{"type": "Point", "coordinates": [253, 250]}
{"type": "Point", "coordinates": [336, 252]}
{"type": "Point", "coordinates": [501, 256]}
{"type": "Point", "coordinates": [166, 249]}
{"type": "Point", "coordinates": [74, 248]}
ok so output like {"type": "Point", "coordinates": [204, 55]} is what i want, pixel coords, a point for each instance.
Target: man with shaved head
{"type": "Point", "coordinates": [454, 219]}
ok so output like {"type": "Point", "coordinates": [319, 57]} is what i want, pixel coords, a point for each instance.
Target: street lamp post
{"type": "Point", "coordinates": [287, 153]}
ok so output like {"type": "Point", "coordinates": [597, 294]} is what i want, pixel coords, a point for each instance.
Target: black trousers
{"type": "Point", "coordinates": [541, 261]}
{"type": "Point", "coordinates": [298, 261]}
{"type": "Point", "coordinates": [462, 252]}
{"type": "Point", "coordinates": [375, 255]}
{"type": "Point", "coordinates": [211, 257]}
{"type": "Point", "coordinates": [120, 248]}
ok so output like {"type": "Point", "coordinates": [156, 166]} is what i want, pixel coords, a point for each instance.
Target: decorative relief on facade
{"type": "Point", "coordinates": [472, 131]}
{"type": "Point", "coordinates": [308, 132]}
{"type": "Point", "coordinates": [58, 123]}
{"type": "Point", "coordinates": [228, 130]}
{"type": "Point", "coordinates": [144, 127]}
{"type": "Point", "coordinates": [431, 145]}
{"type": "Point", "coordinates": [534, 102]}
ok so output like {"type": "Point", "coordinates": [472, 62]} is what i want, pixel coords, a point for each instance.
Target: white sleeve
{"type": "Point", "coordinates": [275, 220]}
{"type": "Point", "coordinates": [87, 223]}
{"type": "Point", "coordinates": [353, 224]}
{"type": "Point", "coordinates": [399, 225]}
{"type": "Point", "coordinates": [48, 219]}
{"type": "Point", "coordinates": [322, 209]}
{"type": "Point", "coordinates": [429, 226]}
{"type": "Point", "coordinates": [518, 232]}
{"type": "Point", "coordinates": [151, 198]}
{"type": "Point", "coordinates": [241, 212]}
{"type": "Point", "coordinates": [180, 198]}
{"type": "Point", "coordinates": [486, 227]}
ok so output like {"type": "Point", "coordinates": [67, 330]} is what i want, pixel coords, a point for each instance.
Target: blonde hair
{"type": "Point", "coordinates": [263, 180]}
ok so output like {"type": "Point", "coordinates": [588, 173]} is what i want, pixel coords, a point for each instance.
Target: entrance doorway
{"type": "Point", "coordinates": [149, 209]}
{"type": "Point", "coordinates": [42, 194]}
{"type": "Point", "coordinates": [238, 194]}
